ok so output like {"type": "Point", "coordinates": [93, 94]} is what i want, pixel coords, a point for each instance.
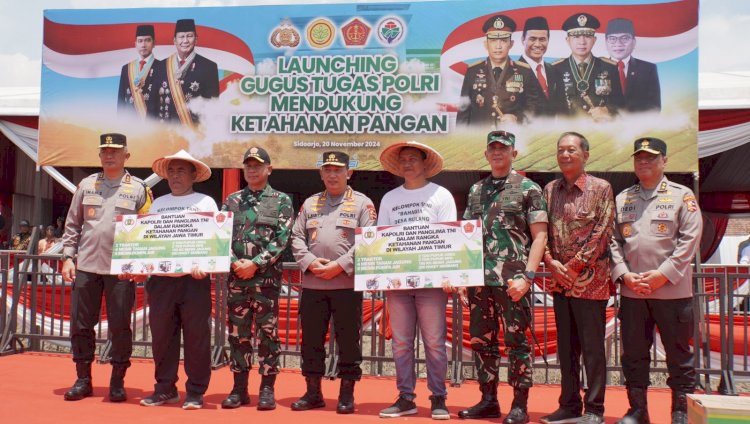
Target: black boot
{"type": "Point", "coordinates": [117, 383]}
{"type": "Point", "coordinates": [267, 402]}
{"type": "Point", "coordinates": [82, 387]}
{"type": "Point", "coordinates": [638, 412]}
{"type": "Point", "coordinates": [239, 395]}
{"type": "Point", "coordinates": [346, 397]}
{"type": "Point", "coordinates": [313, 397]}
{"type": "Point", "coordinates": [518, 410]}
{"type": "Point", "coordinates": [679, 407]}
{"type": "Point", "coordinates": [488, 407]}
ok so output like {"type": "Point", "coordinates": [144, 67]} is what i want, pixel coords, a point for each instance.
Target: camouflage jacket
{"type": "Point", "coordinates": [506, 210]}
{"type": "Point", "coordinates": [262, 225]}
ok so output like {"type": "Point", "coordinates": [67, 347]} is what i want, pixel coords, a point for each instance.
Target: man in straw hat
{"type": "Point", "coordinates": [417, 200]}
{"type": "Point", "coordinates": [657, 231]}
{"type": "Point", "coordinates": [180, 302]}
{"type": "Point", "coordinates": [262, 225]}
{"type": "Point", "coordinates": [323, 246]}
{"type": "Point", "coordinates": [514, 222]}
{"type": "Point", "coordinates": [87, 256]}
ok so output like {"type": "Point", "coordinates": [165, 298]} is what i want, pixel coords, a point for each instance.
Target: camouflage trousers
{"type": "Point", "coordinates": [252, 311]}
{"type": "Point", "coordinates": [489, 306]}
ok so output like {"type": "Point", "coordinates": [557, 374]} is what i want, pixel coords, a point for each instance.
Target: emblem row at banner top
{"type": "Point", "coordinates": [299, 80]}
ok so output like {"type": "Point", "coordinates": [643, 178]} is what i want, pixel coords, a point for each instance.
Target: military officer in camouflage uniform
{"type": "Point", "coordinates": [87, 256]}
{"type": "Point", "coordinates": [323, 246]}
{"type": "Point", "coordinates": [514, 221]}
{"type": "Point", "coordinates": [498, 89]}
{"type": "Point", "coordinates": [587, 85]}
{"type": "Point", "coordinates": [262, 225]}
{"type": "Point", "coordinates": [657, 234]}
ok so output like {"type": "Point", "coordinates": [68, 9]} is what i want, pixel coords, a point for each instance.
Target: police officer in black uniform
{"type": "Point", "coordinates": [498, 89]}
{"type": "Point", "coordinates": [588, 85]}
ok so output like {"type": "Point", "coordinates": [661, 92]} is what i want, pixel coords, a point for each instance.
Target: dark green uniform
{"type": "Point", "coordinates": [507, 207]}
{"type": "Point", "coordinates": [262, 225]}
{"type": "Point", "coordinates": [581, 89]}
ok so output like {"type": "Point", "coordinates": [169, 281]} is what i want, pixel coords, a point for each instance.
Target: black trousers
{"type": "Point", "coordinates": [674, 319]}
{"type": "Point", "coordinates": [580, 331]}
{"type": "Point", "coordinates": [86, 306]}
{"type": "Point", "coordinates": [316, 309]}
{"type": "Point", "coordinates": [180, 305]}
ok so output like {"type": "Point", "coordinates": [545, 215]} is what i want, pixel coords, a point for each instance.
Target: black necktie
{"type": "Point", "coordinates": [496, 72]}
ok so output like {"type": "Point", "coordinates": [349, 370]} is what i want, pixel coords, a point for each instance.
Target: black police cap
{"type": "Point", "coordinates": [499, 26]}
{"type": "Point", "coordinates": [650, 144]}
{"type": "Point", "coordinates": [113, 140]}
{"type": "Point", "coordinates": [335, 159]}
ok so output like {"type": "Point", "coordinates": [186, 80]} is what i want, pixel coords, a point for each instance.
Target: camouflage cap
{"type": "Point", "coordinates": [504, 137]}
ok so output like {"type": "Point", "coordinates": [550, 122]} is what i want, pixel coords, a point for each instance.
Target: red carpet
{"type": "Point", "coordinates": [32, 385]}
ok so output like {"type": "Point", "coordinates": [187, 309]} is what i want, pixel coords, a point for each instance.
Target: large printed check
{"type": "Point", "coordinates": [419, 255]}
{"type": "Point", "coordinates": [172, 243]}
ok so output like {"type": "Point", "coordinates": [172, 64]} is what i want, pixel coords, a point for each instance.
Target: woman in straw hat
{"type": "Point", "coordinates": [417, 200]}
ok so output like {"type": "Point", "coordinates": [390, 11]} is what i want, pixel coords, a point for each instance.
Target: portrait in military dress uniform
{"type": "Point", "coordinates": [136, 77]}
{"type": "Point", "coordinates": [498, 89]}
{"type": "Point", "coordinates": [183, 77]}
{"type": "Point", "coordinates": [587, 84]}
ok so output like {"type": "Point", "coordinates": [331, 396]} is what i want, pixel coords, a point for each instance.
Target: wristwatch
{"type": "Point", "coordinates": [529, 276]}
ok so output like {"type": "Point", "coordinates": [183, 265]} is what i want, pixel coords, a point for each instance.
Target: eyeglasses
{"type": "Point", "coordinates": [623, 39]}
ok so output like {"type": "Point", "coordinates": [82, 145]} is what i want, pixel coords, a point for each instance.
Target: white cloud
{"type": "Point", "coordinates": [18, 70]}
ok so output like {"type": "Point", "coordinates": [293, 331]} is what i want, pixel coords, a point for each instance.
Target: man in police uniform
{"type": "Point", "coordinates": [639, 79]}
{"type": "Point", "coordinates": [262, 224]}
{"type": "Point", "coordinates": [535, 40]}
{"type": "Point", "coordinates": [183, 77]}
{"type": "Point", "coordinates": [21, 240]}
{"type": "Point", "coordinates": [89, 235]}
{"type": "Point", "coordinates": [323, 246]}
{"type": "Point", "coordinates": [136, 76]}
{"type": "Point", "coordinates": [514, 221]}
{"type": "Point", "coordinates": [587, 84]}
{"type": "Point", "coordinates": [657, 233]}
{"type": "Point", "coordinates": [498, 89]}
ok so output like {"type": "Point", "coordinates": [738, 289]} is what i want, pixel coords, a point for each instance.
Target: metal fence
{"type": "Point", "coordinates": [34, 316]}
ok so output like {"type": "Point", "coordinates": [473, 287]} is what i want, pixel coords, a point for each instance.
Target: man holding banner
{"type": "Point", "coordinates": [183, 77]}
{"type": "Point", "coordinates": [136, 77]}
{"type": "Point", "coordinates": [323, 246]}
{"type": "Point", "coordinates": [262, 224]}
{"type": "Point", "coordinates": [180, 303]}
{"type": "Point", "coordinates": [514, 221]}
{"type": "Point", "coordinates": [87, 256]}
{"type": "Point", "coordinates": [417, 201]}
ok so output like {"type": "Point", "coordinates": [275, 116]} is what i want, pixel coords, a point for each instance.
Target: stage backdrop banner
{"type": "Point", "coordinates": [168, 244]}
{"type": "Point", "coordinates": [300, 80]}
{"type": "Point", "coordinates": [418, 256]}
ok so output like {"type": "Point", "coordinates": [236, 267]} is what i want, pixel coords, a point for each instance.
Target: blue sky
{"type": "Point", "coordinates": [722, 25]}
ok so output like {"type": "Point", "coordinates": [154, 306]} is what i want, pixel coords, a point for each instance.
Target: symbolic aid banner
{"type": "Point", "coordinates": [418, 256]}
{"type": "Point", "coordinates": [164, 244]}
{"type": "Point", "coordinates": [299, 80]}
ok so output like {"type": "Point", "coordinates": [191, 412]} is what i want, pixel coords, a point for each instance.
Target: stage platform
{"type": "Point", "coordinates": [32, 387]}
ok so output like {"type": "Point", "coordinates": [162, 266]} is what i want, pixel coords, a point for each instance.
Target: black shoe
{"type": "Point", "coordinates": [401, 407]}
{"type": "Point", "coordinates": [235, 400]}
{"type": "Point", "coordinates": [591, 418]}
{"type": "Point", "coordinates": [488, 407]}
{"type": "Point", "coordinates": [638, 411]}
{"type": "Point", "coordinates": [158, 399]}
{"type": "Point", "coordinates": [313, 397]}
{"type": "Point", "coordinates": [117, 391]}
{"type": "Point", "coordinates": [193, 401]}
{"type": "Point", "coordinates": [679, 417]}
{"type": "Point", "coordinates": [346, 397]}
{"type": "Point", "coordinates": [679, 407]}
{"type": "Point", "coordinates": [117, 394]}
{"type": "Point", "coordinates": [516, 415]}
{"type": "Point", "coordinates": [81, 389]}
{"type": "Point", "coordinates": [266, 401]}
{"type": "Point", "coordinates": [561, 416]}
{"type": "Point", "coordinates": [438, 409]}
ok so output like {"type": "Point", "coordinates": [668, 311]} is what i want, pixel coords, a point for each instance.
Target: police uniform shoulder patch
{"type": "Point", "coordinates": [522, 64]}
{"type": "Point", "coordinates": [690, 203]}
{"type": "Point", "coordinates": [372, 212]}
{"type": "Point", "coordinates": [608, 60]}
{"type": "Point", "coordinates": [559, 61]}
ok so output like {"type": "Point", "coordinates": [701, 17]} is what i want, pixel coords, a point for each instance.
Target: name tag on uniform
{"type": "Point", "coordinates": [93, 200]}
{"type": "Point", "coordinates": [125, 204]}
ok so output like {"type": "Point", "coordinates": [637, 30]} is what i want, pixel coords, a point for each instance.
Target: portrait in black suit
{"type": "Point", "coordinates": [136, 77]}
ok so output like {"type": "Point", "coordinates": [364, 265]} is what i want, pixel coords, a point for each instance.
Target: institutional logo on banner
{"type": "Point", "coordinates": [468, 228]}
{"type": "Point", "coordinates": [128, 222]}
{"type": "Point", "coordinates": [285, 36]}
{"type": "Point", "coordinates": [320, 33]}
{"type": "Point", "coordinates": [220, 218]}
{"type": "Point", "coordinates": [369, 235]}
{"type": "Point", "coordinates": [391, 31]}
{"type": "Point", "coordinates": [355, 33]}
